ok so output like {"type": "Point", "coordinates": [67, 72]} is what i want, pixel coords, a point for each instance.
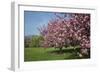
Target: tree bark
{"type": "Point", "coordinates": [60, 49]}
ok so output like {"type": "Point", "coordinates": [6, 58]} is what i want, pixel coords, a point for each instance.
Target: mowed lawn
{"type": "Point", "coordinates": [41, 54]}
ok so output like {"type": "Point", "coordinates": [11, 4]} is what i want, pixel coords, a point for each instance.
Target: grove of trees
{"type": "Point", "coordinates": [33, 41]}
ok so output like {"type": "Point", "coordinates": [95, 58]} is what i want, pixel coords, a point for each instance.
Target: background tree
{"type": "Point", "coordinates": [27, 41]}
{"type": "Point", "coordinates": [33, 41]}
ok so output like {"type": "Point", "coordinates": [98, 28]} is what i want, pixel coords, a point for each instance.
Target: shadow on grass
{"type": "Point", "coordinates": [71, 52]}
{"type": "Point", "coordinates": [57, 51]}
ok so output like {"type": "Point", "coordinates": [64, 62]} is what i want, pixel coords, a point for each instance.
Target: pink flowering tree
{"type": "Point", "coordinates": [68, 29]}
{"type": "Point", "coordinates": [56, 33]}
{"type": "Point", "coordinates": [81, 26]}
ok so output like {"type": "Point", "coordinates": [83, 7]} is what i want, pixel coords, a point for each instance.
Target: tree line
{"type": "Point", "coordinates": [33, 41]}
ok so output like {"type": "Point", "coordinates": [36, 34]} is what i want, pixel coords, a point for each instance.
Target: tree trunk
{"type": "Point", "coordinates": [60, 49]}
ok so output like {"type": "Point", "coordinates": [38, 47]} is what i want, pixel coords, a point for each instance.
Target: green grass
{"type": "Point", "coordinates": [41, 54]}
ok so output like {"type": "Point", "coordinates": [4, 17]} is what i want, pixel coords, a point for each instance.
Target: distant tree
{"type": "Point", "coordinates": [33, 41]}
{"type": "Point", "coordinates": [36, 41]}
{"type": "Point", "coordinates": [27, 41]}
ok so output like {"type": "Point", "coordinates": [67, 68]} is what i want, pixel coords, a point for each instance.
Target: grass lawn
{"type": "Point", "coordinates": [41, 54]}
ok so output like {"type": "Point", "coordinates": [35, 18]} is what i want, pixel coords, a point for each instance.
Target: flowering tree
{"type": "Point", "coordinates": [81, 26]}
{"type": "Point", "coordinates": [68, 29]}
{"type": "Point", "coordinates": [55, 34]}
